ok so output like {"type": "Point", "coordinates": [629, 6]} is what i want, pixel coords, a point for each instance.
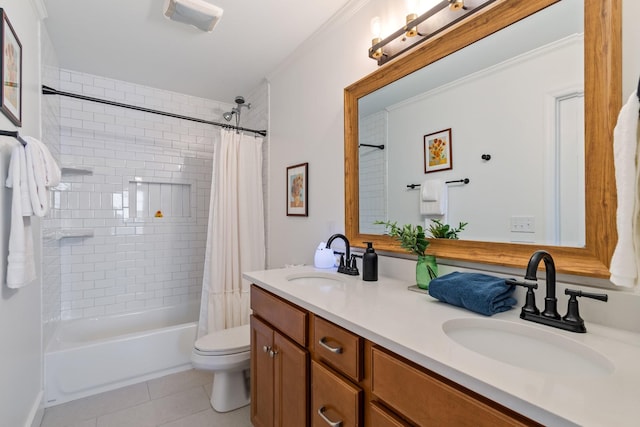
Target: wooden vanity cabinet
{"type": "Point", "coordinates": [279, 364]}
{"type": "Point", "coordinates": [306, 370]}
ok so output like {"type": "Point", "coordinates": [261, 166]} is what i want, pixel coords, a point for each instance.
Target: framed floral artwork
{"type": "Point", "coordinates": [298, 190]}
{"type": "Point", "coordinates": [437, 151]}
{"type": "Point", "coordinates": [11, 93]}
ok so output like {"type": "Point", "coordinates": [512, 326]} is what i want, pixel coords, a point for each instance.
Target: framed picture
{"type": "Point", "coordinates": [11, 95]}
{"type": "Point", "coordinates": [298, 190]}
{"type": "Point", "coordinates": [437, 151]}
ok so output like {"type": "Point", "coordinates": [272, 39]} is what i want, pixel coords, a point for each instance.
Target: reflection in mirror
{"type": "Point", "coordinates": [602, 101]}
{"type": "Point", "coordinates": [517, 95]}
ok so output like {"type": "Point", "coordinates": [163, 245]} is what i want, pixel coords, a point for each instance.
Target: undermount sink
{"type": "Point", "coordinates": [527, 347]}
{"type": "Point", "coordinates": [323, 280]}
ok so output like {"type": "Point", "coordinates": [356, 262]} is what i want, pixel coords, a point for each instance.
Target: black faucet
{"type": "Point", "coordinates": [349, 266]}
{"type": "Point", "coordinates": [550, 317]}
{"type": "Point", "coordinates": [550, 301]}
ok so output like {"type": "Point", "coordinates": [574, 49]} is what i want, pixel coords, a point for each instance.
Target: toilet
{"type": "Point", "coordinates": [227, 354]}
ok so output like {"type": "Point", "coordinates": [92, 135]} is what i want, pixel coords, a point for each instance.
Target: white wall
{"type": "Point", "coordinates": [307, 125]}
{"type": "Point", "coordinates": [20, 313]}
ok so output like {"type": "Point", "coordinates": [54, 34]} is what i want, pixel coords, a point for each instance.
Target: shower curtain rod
{"type": "Point", "coordinates": [46, 90]}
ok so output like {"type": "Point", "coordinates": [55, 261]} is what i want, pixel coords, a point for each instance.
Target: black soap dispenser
{"type": "Point", "coordinates": [370, 264]}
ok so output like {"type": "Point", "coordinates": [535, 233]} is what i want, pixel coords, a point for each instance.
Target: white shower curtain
{"type": "Point", "coordinates": [235, 236]}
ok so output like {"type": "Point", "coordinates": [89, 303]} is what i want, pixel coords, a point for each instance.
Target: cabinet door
{"type": "Point", "coordinates": [334, 401]}
{"type": "Point", "coordinates": [261, 374]}
{"type": "Point", "coordinates": [291, 364]}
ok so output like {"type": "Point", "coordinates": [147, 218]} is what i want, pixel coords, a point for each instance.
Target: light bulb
{"type": "Point", "coordinates": [375, 31]}
{"type": "Point", "coordinates": [412, 6]}
{"type": "Point", "coordinates": [376, 28]}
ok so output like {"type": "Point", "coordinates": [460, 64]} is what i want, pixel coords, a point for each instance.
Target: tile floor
{"type": "Point", "coordinates": [177, 400]}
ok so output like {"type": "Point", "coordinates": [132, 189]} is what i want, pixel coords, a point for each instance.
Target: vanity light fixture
{"type": "Point", "coordinates": [419, 28]}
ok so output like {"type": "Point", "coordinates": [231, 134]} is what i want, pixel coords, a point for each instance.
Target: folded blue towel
{"type": "Point", "coordinates": [477, 292]}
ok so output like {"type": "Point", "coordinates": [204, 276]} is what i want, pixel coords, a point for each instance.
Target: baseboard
{"type": "Point", "coordinates": [37, 411]}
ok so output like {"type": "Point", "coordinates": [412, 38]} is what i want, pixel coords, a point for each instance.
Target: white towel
{"type": "Point", "coordinates": [433, 197]}
{"type": "Point", "coordinates": [42, 172]}
{"type": "Point", "coordinates": [21, 269]}
{"type": "Point", "coordinates": [19, 161]}
{"type": "Point", "coordinates": [624, 262]}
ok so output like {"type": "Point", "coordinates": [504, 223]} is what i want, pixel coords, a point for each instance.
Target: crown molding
{"type": "Point", "coordinates": [40, 9]}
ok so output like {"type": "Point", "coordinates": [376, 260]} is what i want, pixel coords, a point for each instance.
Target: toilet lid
{"type": "Point", "coordinates": [226, 341]}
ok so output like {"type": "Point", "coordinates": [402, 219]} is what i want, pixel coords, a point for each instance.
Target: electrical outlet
{"type": "Point", "coordinates": [523, 224]}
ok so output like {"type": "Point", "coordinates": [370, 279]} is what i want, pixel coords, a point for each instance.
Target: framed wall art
{"type": "Point", "coordinates": [298, 190]}
{"type": "Point", "coordinates": [437, 151]}
{"type": "Point", "coordinates": [11, 94]}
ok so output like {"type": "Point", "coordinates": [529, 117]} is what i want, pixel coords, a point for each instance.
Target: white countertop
{"type": "Point", "coordinates": [410, 324]}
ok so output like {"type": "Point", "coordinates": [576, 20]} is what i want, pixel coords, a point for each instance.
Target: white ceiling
{"type": "Point", "coordinates": [131, 40]}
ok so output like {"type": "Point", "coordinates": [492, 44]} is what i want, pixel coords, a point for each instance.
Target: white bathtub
{"type": "Point", "coordinates": [89, 356]}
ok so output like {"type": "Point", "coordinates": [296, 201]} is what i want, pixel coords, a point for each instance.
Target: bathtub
{"type": "Point", "coordinates": [90, 356]}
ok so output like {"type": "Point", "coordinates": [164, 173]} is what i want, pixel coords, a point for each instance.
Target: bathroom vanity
{"type": "Point", "coordinates": [329, 348]}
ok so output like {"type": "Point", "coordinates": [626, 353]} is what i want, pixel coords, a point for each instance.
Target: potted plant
{"type": "Point", "coordinates": [413, 239]}
{"type": "Point", "coordinates": [440, 230]}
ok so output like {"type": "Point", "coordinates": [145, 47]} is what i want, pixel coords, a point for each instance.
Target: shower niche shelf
{"type": "Point", "coordinates": [76, 170]}
{"type": "Point", "coordinates": [63, 233]}
{"type": "Point", "coordinates": [158, 200]}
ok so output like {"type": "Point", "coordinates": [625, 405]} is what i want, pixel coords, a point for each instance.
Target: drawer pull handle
{"type": "Point", "coordinates": [327, 420]}
{"type": "Point", "coordinates": [272, 353]}
{"type": "Point", "coordinates": [266, 349]}
{"type": "Point", "coordinates": [323, 342]}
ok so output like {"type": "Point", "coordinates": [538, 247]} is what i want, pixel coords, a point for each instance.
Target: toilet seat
{"type": "Point", "coordinates": [223, 342]}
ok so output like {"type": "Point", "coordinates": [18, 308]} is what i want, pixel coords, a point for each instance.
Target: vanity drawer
{"type": "Point", "coordinates": [334, 399]}
{"type": "Point", "coordinates": [381, 417]}
{"type": "Point", "coordinates": [338, 347]}
{"type": "Point", "coordinates": [427, 400]}
{"type": "Point", "coordinates": [284, 316]}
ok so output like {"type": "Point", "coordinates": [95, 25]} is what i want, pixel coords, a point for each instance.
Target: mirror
{"type": "Point", "coordinates": [533, 136]}
{"type": "Point", "coordinates": [601, 99]}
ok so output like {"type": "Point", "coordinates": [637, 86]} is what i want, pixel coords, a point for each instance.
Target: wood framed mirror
{"type": "Point", "coordinates": [602, 86]}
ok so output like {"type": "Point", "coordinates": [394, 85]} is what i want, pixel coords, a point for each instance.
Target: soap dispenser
{"type": "Point", "coordinates": [370, 264]}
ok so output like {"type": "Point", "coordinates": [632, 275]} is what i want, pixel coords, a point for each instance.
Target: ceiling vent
{"type": "Point", "coordinates": [198, 13]}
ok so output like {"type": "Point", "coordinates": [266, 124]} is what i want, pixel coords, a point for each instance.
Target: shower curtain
{"type": "Point", "coordinates": [235, 236]}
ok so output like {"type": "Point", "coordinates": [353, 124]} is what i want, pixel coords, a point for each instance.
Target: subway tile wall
{"type": "Point", "coordinates": [130, 263]}
{"type": "Point", "coordinates": [372, 168]}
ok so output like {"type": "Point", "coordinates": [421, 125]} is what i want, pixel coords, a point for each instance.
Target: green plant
{"type": "Point", "coordinates": [411, 237]}
{"type": "Point", "coordinates": [440, 230]}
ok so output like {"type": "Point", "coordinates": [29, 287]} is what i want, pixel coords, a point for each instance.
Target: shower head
{"type": "Point", "coordinates": [236, 110]}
